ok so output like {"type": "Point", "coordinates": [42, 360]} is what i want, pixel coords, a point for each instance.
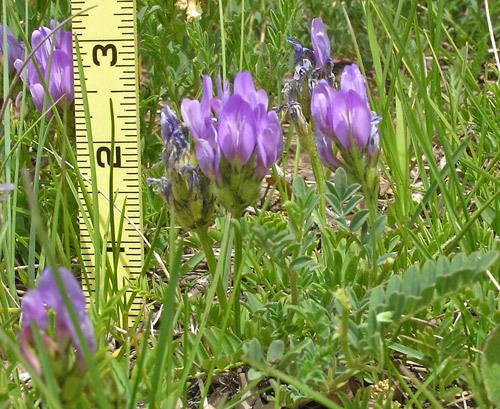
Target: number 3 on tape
{"type": "Point", "coordinates": [106, 36]}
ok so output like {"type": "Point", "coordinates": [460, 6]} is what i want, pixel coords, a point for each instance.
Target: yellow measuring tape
{"type": "Point", "coordinates": [106, 33]}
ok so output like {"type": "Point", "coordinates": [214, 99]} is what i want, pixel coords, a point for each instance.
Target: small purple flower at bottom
{"type": "Point", "coordinates": [14, 50]}
{"type": "Point", "coordinates": [35, 307]}
{"type": "Point", "coordinates": [54, 59]}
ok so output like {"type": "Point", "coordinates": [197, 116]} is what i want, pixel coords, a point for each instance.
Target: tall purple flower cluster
{"type": "Point", "coordinates": [237, 139]}
{"type": "Point", "coordinates": [343, 118]}
{"type": "Point", "coordinates": [35, 308]}
{"type": "Point", "coordinates": [55, 62]}
{"type": "Point", "coordinates": [14, 49]}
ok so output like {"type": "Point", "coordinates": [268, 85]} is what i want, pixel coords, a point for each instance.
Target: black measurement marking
{"type": "Point", "coordinates": [110, 249]}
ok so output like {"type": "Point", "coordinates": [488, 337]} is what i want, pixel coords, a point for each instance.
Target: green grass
{"type": "Point", "coordinates": [305, 318]}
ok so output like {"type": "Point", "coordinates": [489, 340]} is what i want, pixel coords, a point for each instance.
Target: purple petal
{"type": "Point", "coordinates": [321, 103]}
{"type": "Point", "coordinates": [33, 309]}
{"type": "Point", "coordinates": [49, 291]}
{"type": "Point", "coordinates": [191, 112]}
{"type": "Point", "coordinates": [340, 119]}
{"type": "Point", "coordinates": [351, 118]}
{"type": "Point", "coordinates": [245, 88]}
{"type": "Point", "coordinates": [223, 95]}
{"type": "Point", "coordinates": [36, 302]}
{"type": "Point", "coordinates": [360, 115]}
{"type": "Point", "coordinates": [321, 42]}
{"type": "Point", "coordinates": [352, 79]}
{"type": "Point", "coordinates": [38, 97]}
{"type": "Point", "coordinates": [15, 49]}
{"type": "Point", "coordinates": [61, 77]}
{"type": "Point", "coordinates": [208, 157]}
{"type": "Point", "coordinates": [269, 143]}
{"type": "Point", "coordinates": [236, 131]}
{"type": "Point", "coordinates": [324, 148]}
{"type": "Point", "coordinates": [206, 96]}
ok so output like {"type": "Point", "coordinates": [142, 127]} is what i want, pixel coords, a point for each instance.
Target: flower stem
{"type": "Point", "coordinates": [306, 137]}
{"type": "Point", "coordinates": [206, 244]}
{"type": "Point", "coordinates": [238, 265]}
{"type": "Point", "coordinates": [370, 190]}
{"type": "Point", "coordinates": [293, 287]}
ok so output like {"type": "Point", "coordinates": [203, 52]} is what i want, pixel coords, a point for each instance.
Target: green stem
{"type": "Point", "coordinates": [293, 287]}
{"type": "Point", "coordinates": [238, 265]}
{"type": "Point", "coordinates": [370, 189]}
{"type": "Point", "coordinates": [222, 40]}
{"type": "Point", "coordinates": [206, 244]}
{"type": "Point", "coordinates": [306, 137]}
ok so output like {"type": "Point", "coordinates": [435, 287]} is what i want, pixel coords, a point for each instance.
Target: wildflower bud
{"type": "Point", "coordinates": [237, 139]}
{"type": "Point", "coordinates": [177, 151]}
{"type": "Point", "coordinates": [310, 67]}
{"type": "Point", "coordinates": [185, 189]}
{"type": "Point", "coordinates": [37, 307]}
{"type": "Point", "coordinates": [55, 62]}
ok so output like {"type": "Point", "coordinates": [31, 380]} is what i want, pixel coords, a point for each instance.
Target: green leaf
{"type": "Point", "coordinates": [300, 262]}
{"type": "Point", "coordinates": [253, 350]}
{"type": "Point", "coordinates": [490, 366]}
{"type": "Point", "coordinates": [358, 220]}
{"type": "Point", "coordinates": [275, 351]}
{"type": "Point", "coordinates": [340, 182]}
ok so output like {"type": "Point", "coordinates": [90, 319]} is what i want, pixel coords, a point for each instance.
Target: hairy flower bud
{"type": "Point", "coordinates": [185, 189]}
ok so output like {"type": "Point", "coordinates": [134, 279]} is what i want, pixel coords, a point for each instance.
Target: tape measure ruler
{"type": "Point", "coordinates": [106, 33]}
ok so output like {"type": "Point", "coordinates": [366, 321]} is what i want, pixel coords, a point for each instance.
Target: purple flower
{"type": "Point", "coordinates": [235, 134]}
{"type": "Point", "coordinates": [241, 129]}
{"type": "Point", "coordinates": [55, 61]}
{"type": "Point", "coordinates": [343, 116]}
{"type": "Point", "coordinates": [34, 307]}
{"type": "Point", "coordinates": [14, 50]}
{"type": "Point", "coordinates": [321, 43]}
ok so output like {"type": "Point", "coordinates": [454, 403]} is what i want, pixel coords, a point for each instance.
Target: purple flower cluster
{"type": "Point", "coordinates": [237, 139]}
{"type": "Point", "coordinates": [343, 117]}
{"type": "Point", "coordinates": [55, 61]}
{"type": "Point", "coordinates": [34, 307]}
{"type": "Point", "coordinates": [235, 128]}
{"type": "Point", "coordinates": [14, 50]}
